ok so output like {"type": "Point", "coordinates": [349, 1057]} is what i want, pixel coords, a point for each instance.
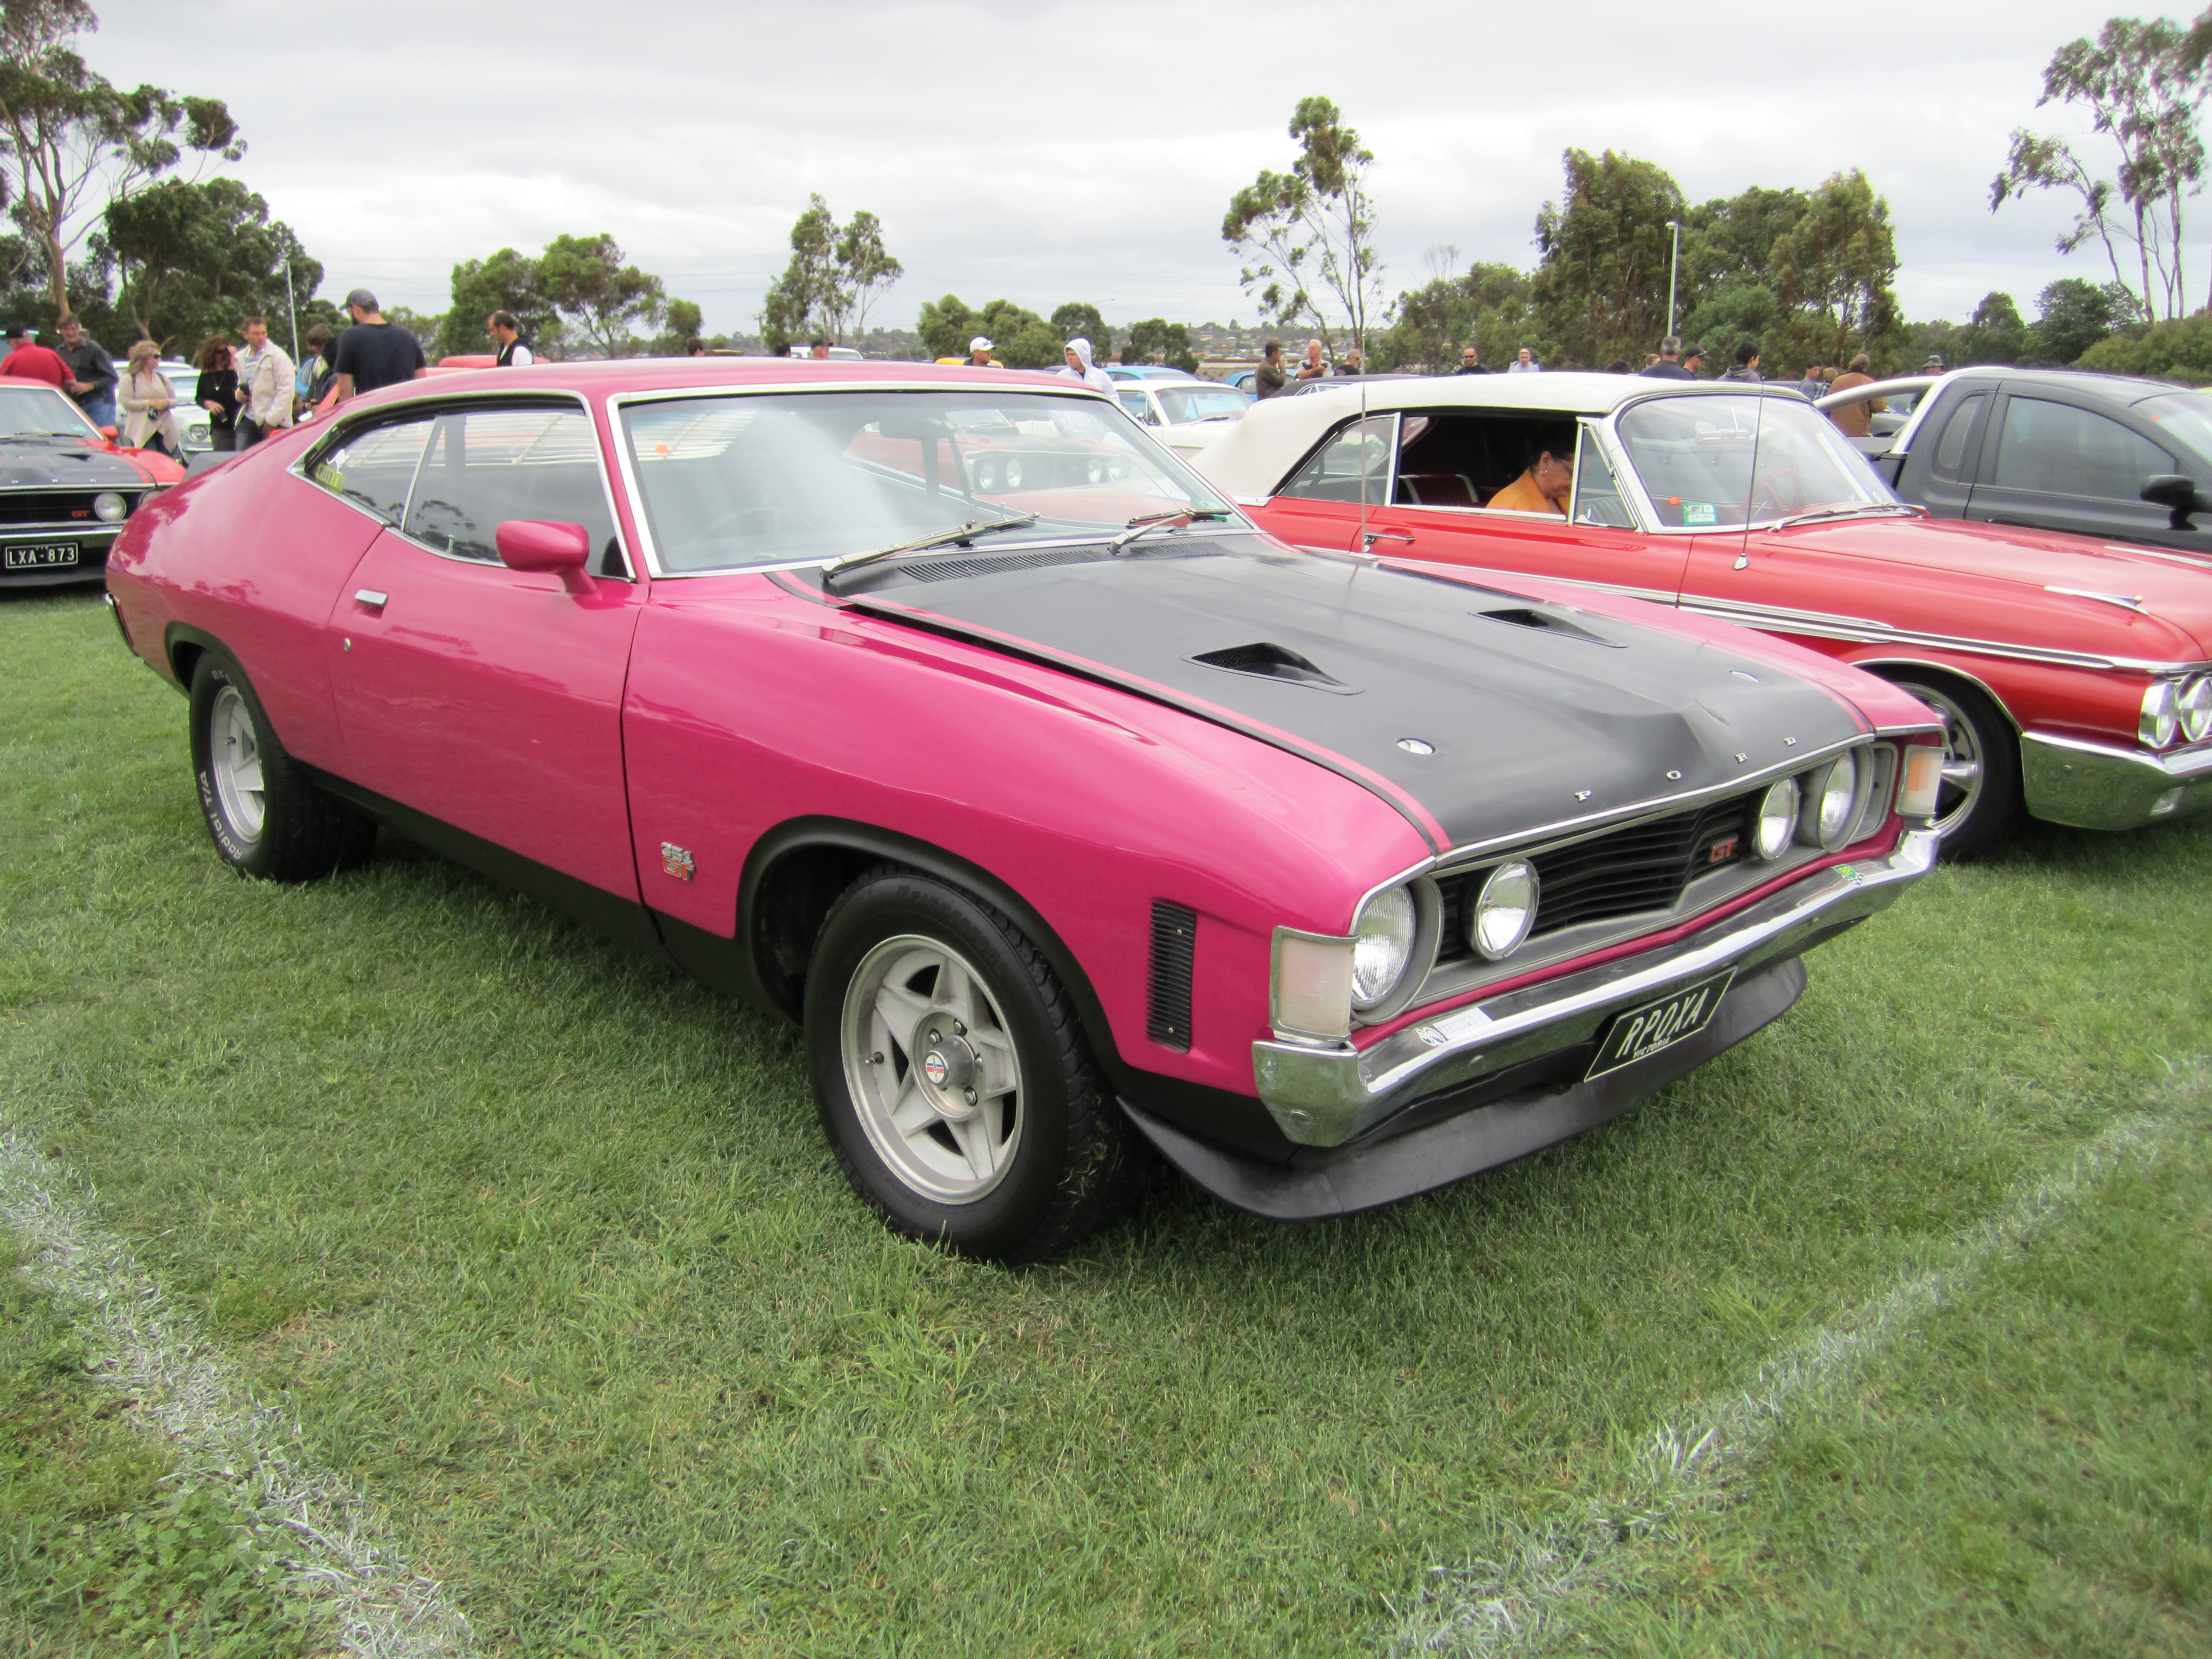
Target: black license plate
{"type": "Point", "coordinates": [1641, 1032]}
{"type": "Point", "coordinates": [40, 555]}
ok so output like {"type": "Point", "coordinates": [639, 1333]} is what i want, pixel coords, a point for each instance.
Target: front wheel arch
{"type": "Point", "coordinates": [795, 872]}
{"type": "Point", "coordinates": [1999, 806]}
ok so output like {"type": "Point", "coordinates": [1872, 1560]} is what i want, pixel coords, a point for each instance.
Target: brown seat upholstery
{"type": "Point", "coordinates": [1438, 489]}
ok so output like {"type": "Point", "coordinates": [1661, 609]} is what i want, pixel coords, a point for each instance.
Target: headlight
{"type": "Point", "coordinates": [1504, 911]}
{"type": "Point", "coordinates": [1830, 806]}
{"type": "Point", "coordinates": [1776, 821]}
{"type": "Point", "coordinates": [2196, 708]}
{"type": "Point", "coordinates": [1382, 945]}
{"type": "Point", "coordinates": [2159, 719]}
{"type": "Point", "coordinates": [1922, 786]}
{"type": "Point", "coordinates": [110, 508]}
{"type": "Point", "coordinates": [1013, 473]}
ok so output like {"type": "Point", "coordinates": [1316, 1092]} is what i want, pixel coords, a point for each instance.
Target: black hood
{"type": "Point", "coordinates": [1535, 712]}
{"type": "Point", "coordinates": [59, 464]}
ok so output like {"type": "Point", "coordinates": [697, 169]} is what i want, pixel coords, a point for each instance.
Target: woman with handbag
{"type": "Point", "coordinates": [148, 403]}
{"type": "Point", "coordinates": [217, 393]}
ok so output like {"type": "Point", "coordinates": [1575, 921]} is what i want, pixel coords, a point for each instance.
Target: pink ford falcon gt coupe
{"type": "Point", "coordinates": [1057, 809]}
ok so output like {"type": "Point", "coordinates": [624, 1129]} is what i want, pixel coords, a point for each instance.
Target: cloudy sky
{"type": "Point", "coordinates": [1046, 152]}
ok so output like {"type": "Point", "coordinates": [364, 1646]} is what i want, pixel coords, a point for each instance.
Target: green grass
{"type": "Point", "coordinates": [543, 1246]}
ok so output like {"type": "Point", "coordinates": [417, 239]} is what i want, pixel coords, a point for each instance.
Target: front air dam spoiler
{"type": "Point", "coordinates": [1320, 1182]}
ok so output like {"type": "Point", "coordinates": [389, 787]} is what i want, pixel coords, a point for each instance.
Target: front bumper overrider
{"type": "Point", "coordinates": [2097, 785]}
{"type": "Point", "coordinates": [1327, 1095]}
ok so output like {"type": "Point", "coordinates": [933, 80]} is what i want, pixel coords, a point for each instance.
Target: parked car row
{"type": "Point", "coordinates": [1396, 792]}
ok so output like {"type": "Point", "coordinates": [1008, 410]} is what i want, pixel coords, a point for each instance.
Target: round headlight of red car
{"type": "Point", "coordinates": [2160, 717]}
{"type": "Point", "coordinates": [1776, 821]}
{"type": "Point", "coordinates": [2196, 708]}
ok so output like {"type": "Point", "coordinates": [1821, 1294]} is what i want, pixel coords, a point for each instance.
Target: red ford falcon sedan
{"type": "Point", "coordinates": [948, 715]}
{"type": "Point", "coordinates": [2074, 676]}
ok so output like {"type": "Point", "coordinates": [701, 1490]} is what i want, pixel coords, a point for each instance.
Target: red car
{"type": "Point", "coordinates": [1053, 814]}
{"type": "Point", "coordinates": [2071, 675]}
{"type": "Point", "coordinates": [66, 486]}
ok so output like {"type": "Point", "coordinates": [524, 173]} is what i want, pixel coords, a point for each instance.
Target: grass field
{"type": "Point", "coordinates": [543, 1249]}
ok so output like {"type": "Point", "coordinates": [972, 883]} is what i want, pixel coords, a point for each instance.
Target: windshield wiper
{"type": "Point", "coordinates": [1843, 512]}
{"type": "Point", "coordinates": [1145, 523]}
{"type": "Point", "coordinates": [922, 543]}
{"type": "Point", "coordinates": [16, 437]}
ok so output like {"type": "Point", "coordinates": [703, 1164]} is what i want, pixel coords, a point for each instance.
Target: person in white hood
{"type": "Point", "coordinates": [1081, 368]}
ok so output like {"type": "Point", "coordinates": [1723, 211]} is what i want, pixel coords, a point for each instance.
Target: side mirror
{"type": "Point", "coordinates": [108, 433]}
{"type": "Point", "coordinates": [2178, 492]}
{"type": "Point", "coordinates": [538, 544]}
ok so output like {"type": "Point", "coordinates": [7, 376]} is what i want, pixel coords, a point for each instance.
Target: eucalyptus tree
{"type": "Point", "coordinates": [1308, 234]}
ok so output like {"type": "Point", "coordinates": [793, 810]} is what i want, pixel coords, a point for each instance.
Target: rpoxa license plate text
{"type": "Point", "coordinates": [1644, 1031]}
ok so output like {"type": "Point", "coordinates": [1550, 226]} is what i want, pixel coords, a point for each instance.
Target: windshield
{"type": "Point", "coordinates": [1200, 403]}
{"type": "Point", "coordinates": [42, 409]}
{"type": "Point", "coordinates": [2185, 417]}
{"type": "Point", "coordinates": [788, 478]}
{"type": "Point", "coordinates": [1711, 461]}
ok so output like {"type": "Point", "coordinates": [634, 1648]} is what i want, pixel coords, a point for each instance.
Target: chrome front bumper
{"type": "Point", "coordinates": [2095, 785]}
{"type": "Point", "coordinates": [1325, 1096]}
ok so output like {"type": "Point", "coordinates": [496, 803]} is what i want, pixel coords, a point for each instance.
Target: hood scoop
{"type": "Point", "coordinates": [1545, 622]}
{"type": "Point", "coordinates": [1267, 661]}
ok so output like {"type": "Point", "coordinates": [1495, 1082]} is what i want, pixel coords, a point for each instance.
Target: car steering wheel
{"type": "Point", "coordinates": [1767, 490]}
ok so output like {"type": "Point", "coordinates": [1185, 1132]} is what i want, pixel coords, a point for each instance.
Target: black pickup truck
{"type": "Point", "coordinates": [2104, 455]}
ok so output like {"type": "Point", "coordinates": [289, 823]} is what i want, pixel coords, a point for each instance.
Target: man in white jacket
{"type": "Point", "coordinates": [1081, 368]}
{"type": "Point", "coordinates": [265, 385]}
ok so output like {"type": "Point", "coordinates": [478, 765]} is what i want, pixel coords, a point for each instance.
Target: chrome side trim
{"type": "Point", "coordinates": [1865, 630]}
{"type": "Point", "coordinates": [2095, 785]}
{"type": "Point", "coordinates": [2125, 601]}
{"type": "Point", "coordinates": [1326, 1096]}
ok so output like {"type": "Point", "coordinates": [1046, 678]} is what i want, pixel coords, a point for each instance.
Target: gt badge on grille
{"type": "Point", "coordinates": [1721, 850]}
{"type": "Point", "coordinates": [677, 862]}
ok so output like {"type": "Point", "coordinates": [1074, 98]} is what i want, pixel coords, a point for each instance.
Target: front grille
{"type": "Point", "coordinates": [1628, 872]}
{"type": "Point", "coordinates": [69, 506]}
{"type": "Point", "coordinates": [1174, 947]}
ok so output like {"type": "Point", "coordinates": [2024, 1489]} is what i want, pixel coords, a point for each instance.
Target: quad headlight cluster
{"type": "Point", "coordinates": [2176, 708]}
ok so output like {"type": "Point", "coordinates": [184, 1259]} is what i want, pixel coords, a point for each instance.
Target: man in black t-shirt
{"type": "Point", "coordinates": [374, 353]}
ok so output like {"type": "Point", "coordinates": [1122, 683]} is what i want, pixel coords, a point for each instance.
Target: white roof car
{"type": "Point", "coordinates": [1187, 415]}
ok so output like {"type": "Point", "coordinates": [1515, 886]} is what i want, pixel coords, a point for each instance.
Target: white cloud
{"type": "Point", "coordinates": [1047, 152]}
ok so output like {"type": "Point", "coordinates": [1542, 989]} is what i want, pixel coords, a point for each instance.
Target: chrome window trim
{"type": "Point", "coordinates": [624, 461]}
{"type": "Point", "coordinates": [1601, 431]}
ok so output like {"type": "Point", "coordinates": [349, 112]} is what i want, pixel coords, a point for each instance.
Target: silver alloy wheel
{"type": "Point", "coordinates": [933, 1073]}
{"type": "Point", "coordinates": [1962, 757]}
{"type": "Point", "coordinates": [234, 758]}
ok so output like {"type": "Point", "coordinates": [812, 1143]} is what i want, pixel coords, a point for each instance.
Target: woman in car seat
{"type": "Point", "coordinates": [1544, 488]}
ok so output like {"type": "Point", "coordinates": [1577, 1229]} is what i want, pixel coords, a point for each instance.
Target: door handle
{"type": "Point", "coordinates": [371, 597]}
{"type": "Point", "coordinates": [1369, 538]}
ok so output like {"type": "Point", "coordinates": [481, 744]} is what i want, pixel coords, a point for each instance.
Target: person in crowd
{"type": "Point", "coordinates": [1524, 363]}
{"type": "Point", "coordinates": [1352, 364]}
{"type": "Point", "coordinates": [818, 350]}
{"type": "Point", "coordinates": [1470, 362]}
{"type": "Point", "coordinates": [1933, 366]}
{"type": "Point", "coordinates": [1667, 366]}
{"type": "Point", "coordinates": [695, 348]}
{"type": "Point", "coordinates": [1649, 358]}
{"type": "Point", "coordinates": [217, 393]}
{"type": "Point", "coordinates": [1745, 368]}
{"type": "Point", "coordinates": [1618, 366]}
{"type": "Point", "coordinates": [1313, 368]}
{"type": "Point", "coordinates": [312, 381]}
{"type": "Point", "coordinates": [979, 353]}
{"type": "Point", "coordinates": [148, 401]}
{"type": "Point", "coordinates": [265, 386]}
{"type": "Point", "coordinates": [374, 354]}
{"type": "Point", "coordinates": [1693, 363]}
{"type": "Point", "coordinates": [93, 373]}
{"type": "Point", "coordinates": [28, 360]}
{"type": "Point", "coordinates": [1267, 380]}
{"type": "Point", "coordinates": [1856, 420]}
{"type": "Point", "coordinates": [1815, 383]}
{"type": "Point", "coordinates": [1544, 488]}
{"type": "Point", "coordinates": [1081, 368]}
{"type": "Point", "coordinates": [514, 350]}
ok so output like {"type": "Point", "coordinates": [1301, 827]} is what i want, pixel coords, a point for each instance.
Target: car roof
{"type": "Point", "coordinates": [2120, 388]}
{"type": "Point", "coordinates": [1276, 432]}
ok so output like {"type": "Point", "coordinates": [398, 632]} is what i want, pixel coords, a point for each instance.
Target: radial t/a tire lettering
{"type": "Point", "coordinates": [952, 1074]}
{"type": "Point", "coordinates": [266, 819]}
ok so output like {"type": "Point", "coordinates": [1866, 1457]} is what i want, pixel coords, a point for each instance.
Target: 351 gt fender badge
{"type": "Point", "coordinates": [677, 862]}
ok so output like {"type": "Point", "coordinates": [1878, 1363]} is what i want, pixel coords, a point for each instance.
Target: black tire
{"type": "Point", "coordinates": [1069, 1168]}
{"type": "Point", "coordinates": [302, 832]}
{"type": "Point", "coordinates": [1975, 727]}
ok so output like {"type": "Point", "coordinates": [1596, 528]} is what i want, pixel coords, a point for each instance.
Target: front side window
{"type": "Point", "coordinates": [1955, 449]}
{"type": "Point", "coordinates": [375, 468]}
{"type": "Point", "coordinates": [1709, 461]}
{"type": "Point", "coordinates": [487, 465]}
{"type": "Point", "coordinates": [2056, 449]}
{"type": "Point", "coordinates": [1354, 466]}
{"type": "Point", "coordinates": [790, 478]}
{"type": "Point", "coordinates": [1597, 492]}
{"type": "Point", "coordinates": [1490, 458]}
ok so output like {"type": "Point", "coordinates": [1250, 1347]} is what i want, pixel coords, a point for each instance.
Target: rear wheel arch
{"type": "Point", "coordinates": [795, 872]}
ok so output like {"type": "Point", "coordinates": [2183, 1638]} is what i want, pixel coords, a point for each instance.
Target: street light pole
{"type": "Point", "coordinates": [1674, 269]}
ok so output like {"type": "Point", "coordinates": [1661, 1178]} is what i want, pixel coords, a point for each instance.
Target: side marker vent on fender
{"type": "Point", "coordinates": [1267, 661]}
{"type": "Point", "coordinates": [1543, 622]}
{"type": "Point", "coordinates": [1175, 951]}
